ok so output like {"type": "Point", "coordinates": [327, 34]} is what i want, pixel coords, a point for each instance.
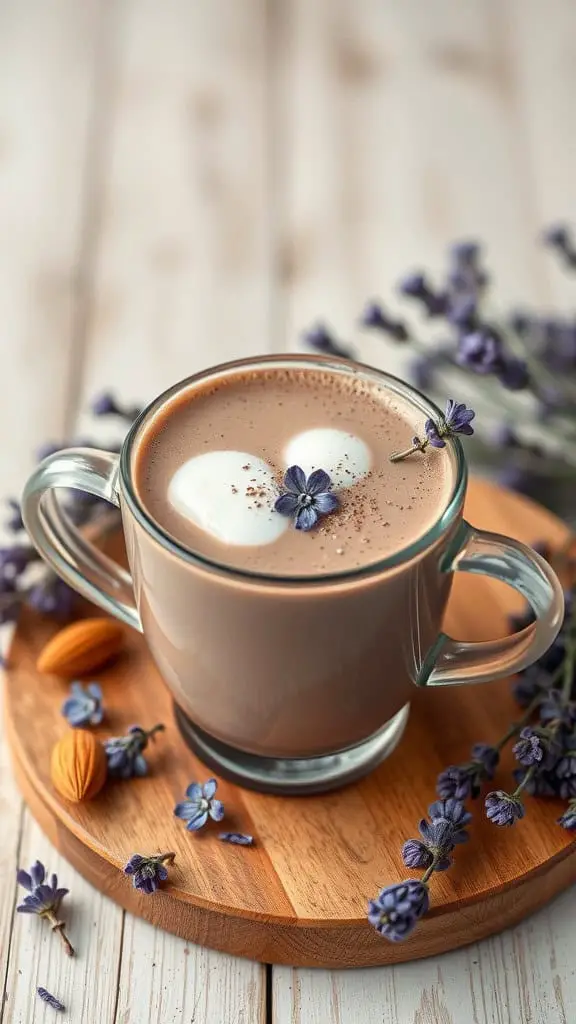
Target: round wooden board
{"type": "Point", "coordinates": [299, 895]}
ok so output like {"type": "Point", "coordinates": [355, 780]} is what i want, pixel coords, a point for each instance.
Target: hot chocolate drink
{"type": "Point", "coordinates": [210, 464]}
{"type": "Point", "coordinates": [290, 610]}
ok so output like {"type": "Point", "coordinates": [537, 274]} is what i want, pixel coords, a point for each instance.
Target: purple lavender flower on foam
{"type": "Point", "coordinates": [84, 706]}
{"type": "Point", "coordinates": [306, 499]}
{"type": "Point", "coordinates": [502, 808]}
{"type": "Point", "coordinates": [398, 908]}
{"type": "Point", "coordinates": [148, 872]}
{"type": "Point", "coordinates": [200, 804]}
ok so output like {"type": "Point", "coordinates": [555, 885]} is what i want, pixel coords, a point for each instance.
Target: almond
{"type": "Point", "coordinates": [81, 647]}
{"type": "Point", "coordinates": [78, 766]}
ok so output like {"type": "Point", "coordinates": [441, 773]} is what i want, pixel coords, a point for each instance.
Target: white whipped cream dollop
{"type": "Point", "coordinates": [234, 504]}
{"type": "Point", "coordinates": [231, 494]}
{"type": "Point", "coordinates": [345, 457]}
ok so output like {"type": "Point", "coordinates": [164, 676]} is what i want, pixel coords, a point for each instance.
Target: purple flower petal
{"type": "Point", "coordinates": [295, 480]}
{"type": "Point", "coordinates": [197, 822]}
{"type": "Point", "coordinates": [133, 864]}
{"type": "Point", "coordinates": [236, 838]}
{"type": "Point", "coordinates": [326, 503]}
{"type": "Point", "coordinates": [286, 504]}
{"type": "Point", "coordinates": [186, 809]}
{"type": "Point", "coordinates": [194, 791]}
{"type": "Point", "coordinates": [24, 879]}
{"type": "Point", "coordinates": [306, 519]}
{"type": "Point", "coordinates": [216, 810]}
{"type": "Point", "coordinates": [38, 873]}
{"type": "Point", "coordinates": [209, 788]}
{"type": "Point", "coordinates": [317, 482]}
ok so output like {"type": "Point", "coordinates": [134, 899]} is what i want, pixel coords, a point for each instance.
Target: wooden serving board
{"type": "Point", "coordinates": [299, 895]}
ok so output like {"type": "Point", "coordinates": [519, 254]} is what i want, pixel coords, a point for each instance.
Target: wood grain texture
{"type": "Point", "coordinates": [47, 64]}
{"type": "Point", "coordinates": [299, 896]}
{"type": "Point", "coordinates": [523, 976]}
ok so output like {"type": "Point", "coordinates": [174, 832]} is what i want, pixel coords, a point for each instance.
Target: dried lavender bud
{"type": "Point", "coordinates": [465, 254]}
{"type": "Point", "coordinates": [415, 286]}
{"type": "Point", "coordinates": [148, 872]}
{"type": "Point", "coordinates": [480, 351]}
{"type": "Point", "coordinates": [398, 908]}
{"type": "Point", "coordinates": [462, 313]}
{"type": "Point", "coordinates": [51, 1000]}
{"type": "Point", "coordinates": [503, 809]}
{"type": "Point", "coordinates": [374, 316]}
{"type": "Point", "coordinates": [236, 838]}
{"type": "Point", "coordinates": [451, 810]}
{"type": "Point", "coordinates": [321, 340]}
{"type": "Point", "coordinates": [416, 854]}
{"type": "Point", "coordinates": [200, 804]}
{"type": "Point", "coordinates": [125, 753]}
{"type": "Point", "coordinates": [513, 374]}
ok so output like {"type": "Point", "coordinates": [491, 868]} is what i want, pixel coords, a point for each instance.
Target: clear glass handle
{"type": "Point", "coordinates": [489, 554]}
{"type": "Point", "coordinates": [60, 543]}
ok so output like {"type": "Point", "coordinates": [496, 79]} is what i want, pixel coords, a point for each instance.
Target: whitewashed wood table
{"type": "Point", "coordinates": [183, 182]}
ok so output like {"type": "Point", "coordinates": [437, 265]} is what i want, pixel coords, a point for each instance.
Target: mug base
{"type": "Point", "coordinates": [292, 776]}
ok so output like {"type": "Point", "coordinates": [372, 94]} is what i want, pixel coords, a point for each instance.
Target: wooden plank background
{"type": "Point", "coordinates": [182, 183]}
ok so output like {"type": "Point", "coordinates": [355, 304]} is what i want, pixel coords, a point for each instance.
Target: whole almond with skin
{"type": "Point", "coordinates": [78, 767]}
{"type": "Point", "coordinates": [81, 647]}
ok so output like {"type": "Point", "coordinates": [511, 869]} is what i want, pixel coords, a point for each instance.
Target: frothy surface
{"type": "Point", "coordinates": [210, 491]}
{"type": "Point", "coordinates": [209, 464]}
{"type": "Point", "coordinates": [345, 457]}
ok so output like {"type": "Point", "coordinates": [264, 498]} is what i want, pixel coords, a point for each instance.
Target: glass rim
{"type": "Point", "coordinates": [293, 361]}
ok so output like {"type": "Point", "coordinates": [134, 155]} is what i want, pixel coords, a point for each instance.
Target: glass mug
{"type": "Point", "coordinates": [291, 684]}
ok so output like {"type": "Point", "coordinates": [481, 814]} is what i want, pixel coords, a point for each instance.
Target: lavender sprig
{"type": "Point", "coordinates": [44, 899]}
{"type": "Point", "coordinates": [457, 420]}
